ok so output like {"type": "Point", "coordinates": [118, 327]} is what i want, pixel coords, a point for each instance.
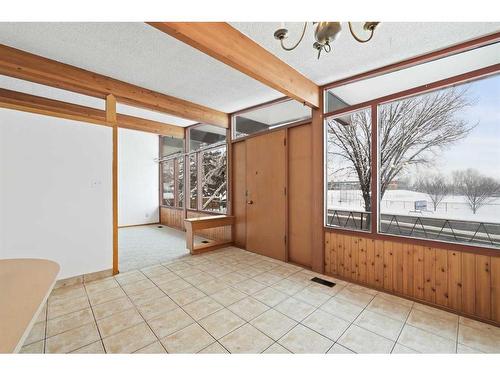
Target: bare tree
{"type": "Point", "coordinates": [477, 188]}
{"type": "Point", "coordinates": [435, 186]}
{"type": "Point", "coordinates": [411, 132]}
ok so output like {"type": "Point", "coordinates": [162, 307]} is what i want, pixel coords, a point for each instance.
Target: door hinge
{"type": "Point", "coordinates": [285, 189]}
{"type": "Point", "coordinates": [285, 238]}
{"type": "Point", "coordinates": [284, 141]}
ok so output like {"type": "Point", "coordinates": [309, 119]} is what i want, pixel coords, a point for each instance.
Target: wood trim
{"type": "Point", "coordinates": [50, 107]}
{"type": "Point", "coordinates": [317, 248]}
{"type": "Point", "coordinates": [150, 126]}
{"type": "Point", "coordinates": [38, 69]}
{"type": "Point", "coordinates": [138, 225]}
{"type": "Point", "coordinates": [228, 45]}
{"type": "Point", "coordinates": [374, 169]}
{"type": "Point", "coordinates": [111, 119]}
{"type": "Point", "coordinates": [457, 48]}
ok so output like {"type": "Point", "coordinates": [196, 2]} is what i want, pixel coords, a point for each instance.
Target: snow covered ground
{"type": "Point", "coordinates": [402, 202]}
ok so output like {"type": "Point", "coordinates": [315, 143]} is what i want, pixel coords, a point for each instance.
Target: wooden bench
{"type": "Point", "coordinates": [194, 224]}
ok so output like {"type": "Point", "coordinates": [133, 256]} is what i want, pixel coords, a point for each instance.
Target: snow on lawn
{"type": "Point", "coordinates": [402, 202]}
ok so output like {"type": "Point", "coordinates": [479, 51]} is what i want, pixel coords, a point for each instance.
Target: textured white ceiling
{"type": "Point", "coordinates": [392, 42]}
{"type": "Point", "coordinates": [139, 54]}
{"type": "Point", "coordinates": [142, 55]}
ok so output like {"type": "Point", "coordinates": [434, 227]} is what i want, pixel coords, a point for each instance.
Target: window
{"type": "Point", "coordinates": [439, 175]}
{"type": "Point", "coordinates": [268, 117]}
{"type": "Point", "coordinates": [202, 136]}
{"type": "Point", "coordinates": [435, 148]}
{"type": "Point", "coordinates": [214, 179]}
{"type": "Point", "coordinates": [171, 146]}
{"type": "Point", "coordinates": [167, 177]}
{"type": "Point", "coordinates": [348, 170]}
{"type": "Point", "coordinates": [207, 179]}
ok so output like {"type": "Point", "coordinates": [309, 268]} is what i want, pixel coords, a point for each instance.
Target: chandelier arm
{"type": "Point", "coordinates": [357, 38]}
{"type": "Point", "coordinates": [296, 44]}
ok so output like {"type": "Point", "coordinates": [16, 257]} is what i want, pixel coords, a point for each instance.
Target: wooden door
{"type": "Point", "coordinates": [299, 194]}
{"type": "Point", "coordinates": [266, 199]}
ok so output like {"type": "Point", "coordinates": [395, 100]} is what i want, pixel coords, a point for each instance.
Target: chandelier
{"type": "Point", "coordinates": [325, 34]}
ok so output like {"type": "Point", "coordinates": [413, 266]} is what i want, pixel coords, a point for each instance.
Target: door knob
{"type": "Point", "coordinates": [249, 202]}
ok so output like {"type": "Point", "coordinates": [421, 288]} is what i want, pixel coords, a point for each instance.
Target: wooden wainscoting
{"type": "Point", "coordinates": [463, 282]}
{"type": "Point", "coordinates": [216, 234]}
{"type": "Point", "coordinates": [172, 217]}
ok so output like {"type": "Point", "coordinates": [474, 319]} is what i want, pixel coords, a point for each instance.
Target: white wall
{"type": "Point", "coordinates": [56, 191]}
{"type": "Point", "coordinates": [137, 177]}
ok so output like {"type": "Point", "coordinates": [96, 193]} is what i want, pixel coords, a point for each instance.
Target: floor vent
{"type": "Point", "coordinates": [323, 282]}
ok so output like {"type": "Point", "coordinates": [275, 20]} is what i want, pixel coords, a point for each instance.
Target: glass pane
{"type": "Point", "coordinates": [439, 156]}
{"type": "Point", "coordinates": [214, 180]}
{"type": "Point", "coordinates": [348, 169]}
{"type": "Point", "coordinates": [418, 75]}
{"type": "Point", "coordinates": [270, 116]}
{"type": "Point", "coordinates": [170, 146]}
{"type": "Point", "coordinates": [180, 182]}
{"type": "Point", "coordinates": [205, 135]}
{"type": "Point", "coordinates": [193, 182]}
{"type": "Point", "coordinates": [168, 183]}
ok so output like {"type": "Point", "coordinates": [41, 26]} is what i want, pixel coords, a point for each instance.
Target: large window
{"type": "Point", "coordinates": [439, 174]}
{"type": "Point", "coordinates": [172, 171]}
{"type": "Point", "coordinates": [438, 158]}
{"type": "Point", "coordinates": [201, 174]}
{"type": "Point", "coordinates": [348, 170]}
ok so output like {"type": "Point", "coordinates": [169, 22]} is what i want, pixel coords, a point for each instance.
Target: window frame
{"type": "Point", "coordinates": [374, 232]}
{"type": "Point", "coordinates": [200, 178]}
{"type": "Point", "coordinates": [175, 159]}
{"type": "Point", "coordinates": [325, 162]}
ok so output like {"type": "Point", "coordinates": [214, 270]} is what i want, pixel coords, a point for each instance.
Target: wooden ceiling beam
{"type": "Point", "coordinates": [226, 44]}
{"type": "Point", "coordinates": [27, 66]}
{"type": "Point", "coordinates": [49, 107]}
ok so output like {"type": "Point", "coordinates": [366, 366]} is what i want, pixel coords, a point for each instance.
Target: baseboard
{"type": "Point", "coordinates": [137, 225]}
{"type": "Point", "coordinates": [85, 278]}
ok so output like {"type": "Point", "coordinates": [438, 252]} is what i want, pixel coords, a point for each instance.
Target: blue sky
{"type": "Point", "coordinates": [481, 148]}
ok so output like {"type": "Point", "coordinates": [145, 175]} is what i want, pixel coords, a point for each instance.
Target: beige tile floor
{"type": "Point", "coordinates": [233, 301]}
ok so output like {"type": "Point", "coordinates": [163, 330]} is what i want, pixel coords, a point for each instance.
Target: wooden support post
{"type": "Point", "coordinates": [111, 119]}
{"type": "Point", "coordinates": [317, 248]}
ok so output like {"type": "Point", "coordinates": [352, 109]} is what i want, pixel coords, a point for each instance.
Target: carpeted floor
{"type": "Point", "coordinates": [146, 245]}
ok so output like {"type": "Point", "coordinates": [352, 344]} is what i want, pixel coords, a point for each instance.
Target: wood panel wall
{"type": "Point", "coordinates": [466, 283]}
{"type": "Point", "coordinates": [172, 217]}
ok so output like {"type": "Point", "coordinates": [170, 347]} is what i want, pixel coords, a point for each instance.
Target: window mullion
{"type": "Point", "coordinates": [374, 170]}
